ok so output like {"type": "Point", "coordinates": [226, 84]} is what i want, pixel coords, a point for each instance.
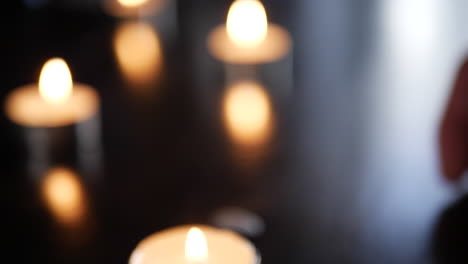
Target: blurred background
{"type": "Point", "coordinates": [346, 169]}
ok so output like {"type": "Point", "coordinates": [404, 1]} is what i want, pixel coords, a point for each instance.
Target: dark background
{"type": "Point", "coordinates": [351, 175]}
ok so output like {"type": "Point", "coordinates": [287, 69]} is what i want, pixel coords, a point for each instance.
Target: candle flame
{"type": "Point", "coordinates": [247, 113]}
{"type": "Point", "coordinates": [247, 22]}
{"type": "Point", "coordinates": [64, 195]}
{"type": "Point", "coordinates": [132, 3]}
{"type": "Point", "coordinates": [196, 248]}
{"type": "Point", "coordinates": [55, 81]}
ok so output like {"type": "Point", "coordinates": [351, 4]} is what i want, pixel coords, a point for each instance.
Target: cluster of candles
{"type": "Point", "coordinates": [56, 101]}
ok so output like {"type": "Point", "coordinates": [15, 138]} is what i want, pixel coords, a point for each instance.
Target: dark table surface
{"type": "Point", "coordinates": [351, 174]}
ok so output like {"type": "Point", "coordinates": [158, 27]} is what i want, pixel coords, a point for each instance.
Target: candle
{"type": "Point", "coordinates": [57, 117]}
{"type": "Point", "coordinates": [195, 245]}
{"type": "Point", "coordinates": [247, 37]}
{"type": "Point", "coordinates": [133, 8]}
{"type": "Point", "coordinates": [55, 101]}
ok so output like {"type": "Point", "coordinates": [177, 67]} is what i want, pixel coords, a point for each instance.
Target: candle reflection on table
{"type": "Point", "coordinates": [64, 196]}
{"type": "Point", "coordinates": [248, 119]}
{"type": "Point", "coordinates": [138, 52]}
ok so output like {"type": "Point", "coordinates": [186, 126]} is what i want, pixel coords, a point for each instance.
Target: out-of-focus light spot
{"type": "Point", "coordinates": [132, 3]}
{"type": "Point", "coordinates": [55, 81]}
{"type": "Point", "coordinates": [247, 22]}
{"type": "Point", "coordinates": [138, 51]}
{"type": "Point", "coordinates": [412, 25]}
{"type": "Point", "coordinates": [196, 248]}
{"type": "Point", "coordinates": [64, 196]}
{"type": "Point", "coordinates": [247, 113]}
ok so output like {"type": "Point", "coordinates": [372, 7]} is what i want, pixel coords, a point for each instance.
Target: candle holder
{"type": "Point", "coordinates": [139, 43]}
{"type": "Point", "coordinates": [59, 119]}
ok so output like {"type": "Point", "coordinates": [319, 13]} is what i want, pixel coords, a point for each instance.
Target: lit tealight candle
{"type": "Point", "coordinates": [195, 245]}
{"type": "Point", "coordinates": [133, 8]}
{"type": "Point", "coordinates": [247, 38]}
{"type": "Point", "coordinates": [55, 101]}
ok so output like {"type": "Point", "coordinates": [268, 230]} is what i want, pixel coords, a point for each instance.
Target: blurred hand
{"type": "Point", "coordinates": [454, 129]}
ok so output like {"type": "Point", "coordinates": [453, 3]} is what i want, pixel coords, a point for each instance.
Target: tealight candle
{"type": "Point", "coordinates": [133, 8]}
{"type": "Point", "coordinates": [55, 101]}
{"type": "Point", "coordinates": [53, 111]}
{"type": "Point", "coordinates": [247, 37]}
{"type": "Point", "coordinates": [195, 245]}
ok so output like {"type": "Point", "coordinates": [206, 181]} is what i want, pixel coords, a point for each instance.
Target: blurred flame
{"type": "Point", "coordinates": [138, 51]}
{"type": "Point", "coordinates": [132, 3]}
{"type": "Point", "coordinates": [55, 81]}
{"type": "Point", "coordinates": [247, 22]}
{"type": "Point", "coordinates": [247, 113]}
{"type": "Point", "coordinates": [196, 248]}
{"type": "Point", "coordinates": [64, 196]}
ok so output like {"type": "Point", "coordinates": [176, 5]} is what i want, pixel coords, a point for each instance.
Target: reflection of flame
{"type": "Point", "coordinates": [55, 82]}
{"type": "Point", "coordinates": [138, 51]}
{"type": "Point", "coordinates": [247, 113]}
{"type": "Point", "coordinates": [132, 3]}
{"type": "Point", "coordinates": [196, 248]}
{"type": "Point", "coordinates": [247, 22]}
{"type": "Point", "coordinates": [64, 196]}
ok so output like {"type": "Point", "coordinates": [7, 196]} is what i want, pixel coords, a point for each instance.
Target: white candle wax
{"type": "Point", "coordinates": [175, 246]}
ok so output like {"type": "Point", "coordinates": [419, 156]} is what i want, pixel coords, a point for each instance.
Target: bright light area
{"type": "Point", "coordinates": [55, 81]}
{"type": "Point", "coordinates": [247, 22]}
{"type": "Point", "coordinates": [247, 112]}
{"type": "Point", "coordinates": [196, 248]}
{"type": "Point", "coordinates": [132, 3]}
{"type": "Point", "coordinates": [63, 195]}
{"type": "Point", "coordinates": [138, 51]}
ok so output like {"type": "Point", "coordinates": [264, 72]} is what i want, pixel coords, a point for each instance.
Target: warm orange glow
{"type": "Point", "coordinates": [132, 3]}
{"type": "Point", "coordinates": [64, 195]}
{"type": "Point", "coordinates": [138, 51]}
{"type": "Point", "coordinates": [196, 248]}
{"type": "Point", "coordinates": [55, 82]}
{"type": "Point", "coordinates": [247, 22]}
{"type": "Point", "coordinates": [247, 113]}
